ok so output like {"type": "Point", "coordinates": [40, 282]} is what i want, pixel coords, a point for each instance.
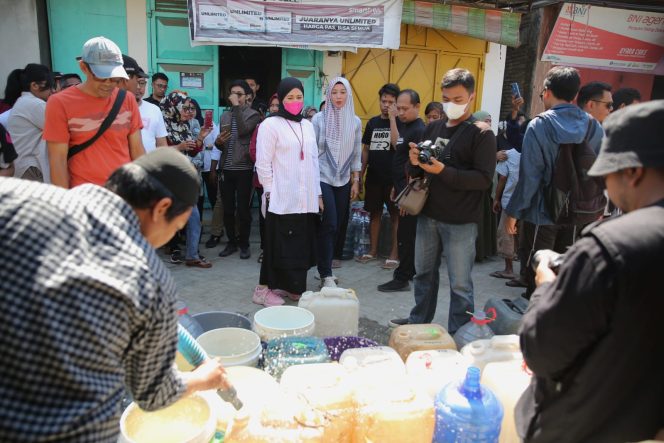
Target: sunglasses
{"type": "Point", "coordinates": [541, 96]}
{"type": "Point", "coordinates": [609, 105]}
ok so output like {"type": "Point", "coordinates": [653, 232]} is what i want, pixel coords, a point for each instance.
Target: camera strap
{"type": "Point", "coordinates": [460, 130]}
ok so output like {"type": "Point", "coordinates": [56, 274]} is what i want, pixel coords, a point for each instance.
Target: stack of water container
{"type": "Point", "coordinates": [426, 386]}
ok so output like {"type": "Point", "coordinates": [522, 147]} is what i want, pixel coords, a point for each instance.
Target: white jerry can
{"type": "Point", "coordinates": [336, 310]}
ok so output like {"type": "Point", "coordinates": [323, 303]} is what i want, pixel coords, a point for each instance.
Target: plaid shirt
{"type": "Point", "coordinates": [87, 312]}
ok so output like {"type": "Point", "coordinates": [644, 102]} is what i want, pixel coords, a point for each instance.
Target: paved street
{"type": "Point", "coordinates": [229, 284]}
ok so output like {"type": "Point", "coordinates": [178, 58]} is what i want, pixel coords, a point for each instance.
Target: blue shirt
{"type": "Point", "coordinates": [510, 169]}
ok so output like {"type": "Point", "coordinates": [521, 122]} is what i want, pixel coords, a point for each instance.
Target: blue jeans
{"type": "Point", "coordinates": [193, 231]}
{"type": "Point", "coordinates": [459, 242]}
{"type": "Point", "coordinates": [336, 201]}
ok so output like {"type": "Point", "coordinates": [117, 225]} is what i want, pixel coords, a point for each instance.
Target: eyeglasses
{"type": "Point", "coordinates": [189, 109]}
{"type": "Point", "coordinates": [541, 96]}
{"type": "Point", "coordinates": [239, 94]}
{"type": "Point", "coordinates": [160, 85]}
{"type": "Point", "coordinates": [142, 83]}
{"type": "Point", "coordinates": [609, 105]}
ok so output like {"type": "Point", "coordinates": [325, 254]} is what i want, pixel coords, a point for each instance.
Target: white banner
{"type": "Point", "coordinates": [307, 24]}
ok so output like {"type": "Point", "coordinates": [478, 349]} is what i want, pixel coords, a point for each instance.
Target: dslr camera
{"type": "Point", "coordinates": [429, 150]}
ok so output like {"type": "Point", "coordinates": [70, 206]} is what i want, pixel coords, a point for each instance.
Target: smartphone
{"type": "Point", "coordinates": [516, 92]}
{"type": "Point", "coordinates": [225, 128]}
{"type": "Point", "coordinates": [208, 118]}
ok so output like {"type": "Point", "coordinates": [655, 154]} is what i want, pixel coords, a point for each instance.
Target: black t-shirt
{"type": "Point", "coordinates": [152, 100]}
{"type": "Point", "coordinates": [377, 137]}
{"type": "Point", "coordinates": [408, 132]}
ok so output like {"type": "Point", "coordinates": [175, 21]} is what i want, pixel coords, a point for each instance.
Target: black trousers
{"type": "Point", "coordinates": [236, 190]}
{"type": "Point", "coordinates": [406, 247]}
{"type": "Point", "coordinates": [555, 237]}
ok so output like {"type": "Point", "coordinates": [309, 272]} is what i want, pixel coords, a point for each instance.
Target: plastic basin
{"type": "Point", "coordinates": [233, 346]}
{"type": "Point", "coordinates": [221, 319]}
{"type": "Point", "coordinates": [283, 321]}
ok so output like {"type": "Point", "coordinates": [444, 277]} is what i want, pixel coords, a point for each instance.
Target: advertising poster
{"type": "Point", "coordinates": [607, 38]}
{"type": "Point", "coordinates": [324, 24]}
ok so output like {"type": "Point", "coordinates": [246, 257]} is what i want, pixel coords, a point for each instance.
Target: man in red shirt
{"type": "Point", "coordinates": [76, 114]}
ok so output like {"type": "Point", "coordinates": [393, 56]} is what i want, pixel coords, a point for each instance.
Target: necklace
{"type": "Point", "coordinates": [299, 139]}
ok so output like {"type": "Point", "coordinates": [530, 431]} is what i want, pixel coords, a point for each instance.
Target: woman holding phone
{"type": "Point", "coordinates": [339, 136]}
{"type": "Point", "coordinates": [178, 110]}
{"type": "Point", "coordinates": [287, 167]}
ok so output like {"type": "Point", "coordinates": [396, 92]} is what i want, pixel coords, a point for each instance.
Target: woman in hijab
{"type": "Point", "coordinates": [339, 137]}
{"type": "Point", "coordinates": [178, 110]}
{"type": "Point", "coordinates": [287, 167]}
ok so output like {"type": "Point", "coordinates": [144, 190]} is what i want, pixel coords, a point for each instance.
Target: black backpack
{"type": "Point", "coordinates": [572, 197]}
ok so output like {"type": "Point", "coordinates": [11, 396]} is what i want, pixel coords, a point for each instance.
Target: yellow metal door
{"type": "Point", "coordinates": [416, 69]}
{"type": "Point", "coordinates": [473, 63]}
{"type": "Point", "coordinates": [367, 71]}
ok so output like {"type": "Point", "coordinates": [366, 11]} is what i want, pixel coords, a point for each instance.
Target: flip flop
{"type": "Point", "coordinates": [390, 264]}
{"type": "Point", "coordinates": [366, 258]}
{"type": "Point", "coordinates": [502, 274]}
{"type": "Point", "coordinates": [515, 283]}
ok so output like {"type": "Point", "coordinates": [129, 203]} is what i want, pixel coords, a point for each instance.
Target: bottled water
{"type": "Point", "coordinates": [186, 320]}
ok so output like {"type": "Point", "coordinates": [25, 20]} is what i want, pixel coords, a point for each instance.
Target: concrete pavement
{"type": "Point", "coordinates": [229, 284]}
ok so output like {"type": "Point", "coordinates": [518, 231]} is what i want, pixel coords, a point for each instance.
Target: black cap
{"type": "Point", "coordinates": [57, 74]}
{"type": "Point", "coordinates": [131, 66]}
{"type": "Point", "coordinates": [174, 171]}
{"type": "Point", "coordinates": [634, 137]}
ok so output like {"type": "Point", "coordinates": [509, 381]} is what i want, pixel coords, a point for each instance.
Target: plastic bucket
{"type": "Point", "coordinates": [221, 319]}
{"type": "Point", "coordinates": [283, 321]}
{"type": "Point", "coordinates": [233, 346]}
{"type": "Point", "coordinates": [190, 420]}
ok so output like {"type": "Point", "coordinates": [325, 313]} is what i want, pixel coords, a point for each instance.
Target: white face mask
{"type": "Point", "coordinates": [453, 110]}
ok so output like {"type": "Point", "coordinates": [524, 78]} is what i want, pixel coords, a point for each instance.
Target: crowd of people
{"type": "Point", "coordinates": [83, 261]}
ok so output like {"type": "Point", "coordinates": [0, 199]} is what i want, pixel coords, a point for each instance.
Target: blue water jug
{"type": "Point", "coordinates": [467, 412]}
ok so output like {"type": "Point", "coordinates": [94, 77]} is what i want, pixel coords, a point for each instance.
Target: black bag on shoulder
{"type": "Point", "coordinates": [108, 121]}
{"type": "Point", "coordinates": [573, 197]}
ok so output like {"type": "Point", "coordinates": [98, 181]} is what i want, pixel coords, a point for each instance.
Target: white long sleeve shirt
{"type": "Point", "coordinates": [26, 128]}
{"type": "Point", "coordinates": [293, 182]}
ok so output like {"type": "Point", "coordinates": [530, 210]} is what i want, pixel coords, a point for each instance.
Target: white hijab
{"type": "Point", "coordinates": [339, 125]}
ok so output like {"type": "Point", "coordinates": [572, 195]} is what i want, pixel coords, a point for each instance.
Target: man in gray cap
{"type": "Point", "coordinates": [593, 332]}
{"type": "Point", "coordinates": [79, 152]}
{"type": "Point", "coordinates": [88, 307]}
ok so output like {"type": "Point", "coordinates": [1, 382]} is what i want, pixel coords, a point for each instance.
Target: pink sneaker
{"type": "Point", "coordinates": [265, 297]}
{"type": "Point", "coordinates": [284, 294]}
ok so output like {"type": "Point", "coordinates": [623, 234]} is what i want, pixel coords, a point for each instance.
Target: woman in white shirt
{"type": "Point", "coordinates": [287, 167]}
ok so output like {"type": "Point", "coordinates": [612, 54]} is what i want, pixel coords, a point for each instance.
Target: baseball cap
{"type": "Point", "coordinates": [634, 137]}
{"type": "Point", "coordinates": [173, 170]}
{"type": "Point", "coordinates": [130, 65]}
{"type": "Point", "coordinates": [104, 58]}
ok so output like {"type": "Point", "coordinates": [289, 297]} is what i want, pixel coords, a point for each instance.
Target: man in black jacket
{"type": "Point", "coordinates": [593, 334]}
{"type": "Point", "coordinates": [453, 209]}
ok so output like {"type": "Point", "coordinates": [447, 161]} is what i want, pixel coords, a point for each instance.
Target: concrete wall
{"type": "Point", "coordinates": [494, 70]}
{"type": "Point", "coordinates": [137, 32]}
{"type": "Point", "coordinates": [19, 34]}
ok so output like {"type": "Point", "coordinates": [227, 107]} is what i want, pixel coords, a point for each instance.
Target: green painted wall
{"type": "Point", "coordinates": [73, 22]}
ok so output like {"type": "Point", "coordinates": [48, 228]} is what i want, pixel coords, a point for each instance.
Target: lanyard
{"type": "Point", "coordinates": [301, 141]}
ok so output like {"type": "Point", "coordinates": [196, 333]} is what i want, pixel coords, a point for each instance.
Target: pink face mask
{"type": "Point", "coordinates": [294, 107]}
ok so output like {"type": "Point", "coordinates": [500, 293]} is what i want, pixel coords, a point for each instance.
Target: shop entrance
{"type": "Point", "coordinates": [241, 62]}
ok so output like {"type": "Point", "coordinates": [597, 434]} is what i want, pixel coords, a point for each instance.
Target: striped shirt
{"type": "Point", "coordinates": [228, 164]}
{"type": "Point", "coordinates": [330, 172]}
{"type": "Point", "coordinates": [88, 314]}
{"type": "Point", "coordinates": [292, 181]}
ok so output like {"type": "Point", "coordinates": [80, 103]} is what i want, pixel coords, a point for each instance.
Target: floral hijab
{"type": "Point", "coordinates": [178, 130]}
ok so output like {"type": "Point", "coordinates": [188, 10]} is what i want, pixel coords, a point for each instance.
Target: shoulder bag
{"type": "Point", "coordinates": [104, 125]}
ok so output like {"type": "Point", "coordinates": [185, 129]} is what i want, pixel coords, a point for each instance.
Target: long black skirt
{"type": "Point", "coordinates": [290, 250]}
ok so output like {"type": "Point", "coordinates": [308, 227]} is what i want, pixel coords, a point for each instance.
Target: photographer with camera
{"type": "Point", "coordinates": [593, 334]}
{"type": "Point", "coordinates": [461, 163]}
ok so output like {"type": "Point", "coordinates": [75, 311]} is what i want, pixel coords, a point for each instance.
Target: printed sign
{"type": "Point", "coordinates": [606, 38]}
{"type": "Point", "coordinates": [317, 24]}
{"type": "Point", "coordinates": [191, 80]}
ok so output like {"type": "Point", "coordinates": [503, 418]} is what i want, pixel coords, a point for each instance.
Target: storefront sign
{"type": "Point", "coordinates": [191, 80]}
{"type": "Point", "coordinates": [606, 38]}
{"type": "Point", "coordinates": [319, 24]}
{"type": "Point", "coordinates": [492, 25]}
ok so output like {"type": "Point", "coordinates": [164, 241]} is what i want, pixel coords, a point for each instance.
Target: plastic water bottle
{"type": "Point", "coordinates": [362, 239]}
{"type": "Point", "coordinates": [476, 329]}
{"type": "Point", "coordinates": [349, 243]}
{"type": "Point", "coordinates": [186, 320]}
{"type": "Point", "coordinates": [467, 412]}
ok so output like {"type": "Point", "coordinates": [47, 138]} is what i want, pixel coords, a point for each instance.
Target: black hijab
{"type": "Point", "coordinates": [286, 85]}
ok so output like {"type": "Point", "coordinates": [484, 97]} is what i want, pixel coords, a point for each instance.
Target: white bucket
{"type": "Point", "coordinates": [283, 321]}
{"type": "Point", "coordinates": [189, 420]}
{"type": "Point", "coordinates": [233, 346]}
